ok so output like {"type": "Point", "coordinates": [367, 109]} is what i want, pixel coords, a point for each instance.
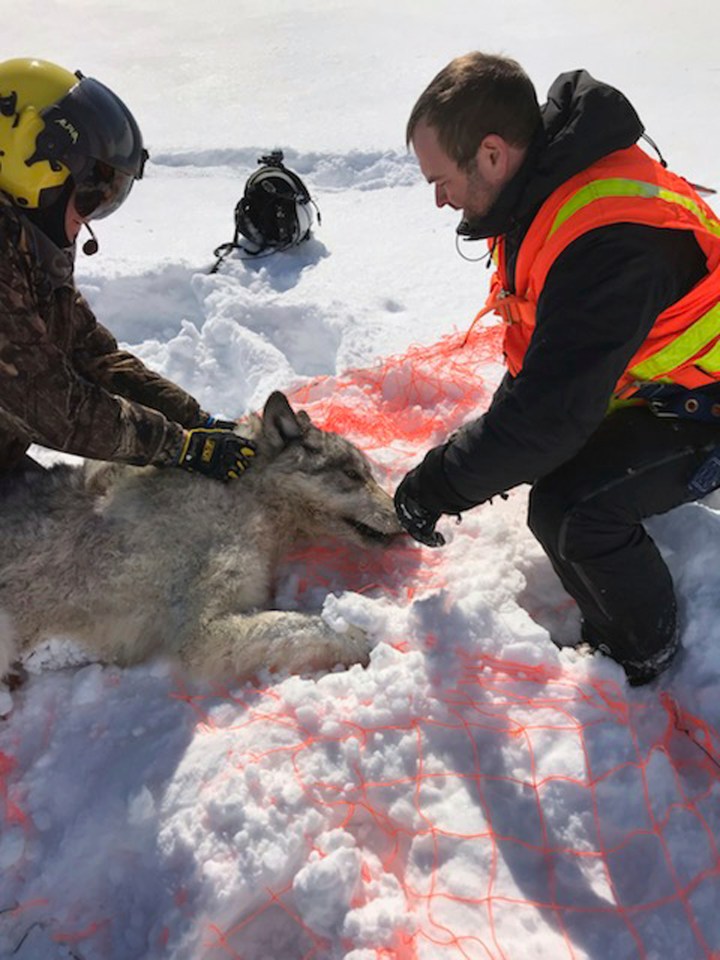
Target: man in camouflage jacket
{"type": "Point", "coordinates": [64, 383]}
{"type": "Point", "coordinates": [70, 150]}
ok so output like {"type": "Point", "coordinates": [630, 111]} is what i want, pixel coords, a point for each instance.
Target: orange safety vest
{"type": "Point", "coordinates": [627, 186]}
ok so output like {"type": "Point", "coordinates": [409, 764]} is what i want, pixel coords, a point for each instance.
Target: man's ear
{"type": "Point", "coordinates": [492, 158]}
{"type": "Point", "coordinates": [497, 160]}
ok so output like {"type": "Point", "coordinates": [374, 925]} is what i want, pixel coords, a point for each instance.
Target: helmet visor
{"type": "Point", "coordinates": [91, 121]}
{"type": "Point", "coordinates": [101, 190]}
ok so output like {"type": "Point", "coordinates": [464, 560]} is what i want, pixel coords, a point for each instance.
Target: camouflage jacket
{"type": "Point", "coordinates": [64, 383]}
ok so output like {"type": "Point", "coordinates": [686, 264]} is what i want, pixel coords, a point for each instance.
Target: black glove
{"type": "Point", "coordinates": [416, 519]}
{"type": "Point", "coordinates": [220, 454]}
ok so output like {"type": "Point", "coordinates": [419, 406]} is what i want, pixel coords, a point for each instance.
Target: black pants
{"type": "Point", "coordinates": [588, 517]}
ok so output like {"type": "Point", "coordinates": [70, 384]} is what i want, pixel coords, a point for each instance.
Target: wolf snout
{"type": "Point", "coordinates": [376, 530]}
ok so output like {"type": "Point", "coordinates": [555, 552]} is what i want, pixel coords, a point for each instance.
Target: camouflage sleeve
{"type": "Point", "coordinates": [99, 358]}
{"type": "Point", "coordinates": [49, 402]}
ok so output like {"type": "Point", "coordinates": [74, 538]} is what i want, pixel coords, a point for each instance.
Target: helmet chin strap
{"type": "Point", "coordinates": [91, 246]}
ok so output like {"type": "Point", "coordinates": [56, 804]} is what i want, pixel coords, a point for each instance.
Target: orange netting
{"type": "Point", "coordinates": [477, 877]}
{"type": "Point", "coordinates": [394, 411]}
{"type": "Point", "coordinates": [408, 402]}
{"type": "Point", "coordinates": [587, 893]}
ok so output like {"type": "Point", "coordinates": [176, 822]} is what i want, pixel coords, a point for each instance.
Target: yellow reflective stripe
{"type": "Point", "coordinates": [710, 223]}
{"type": "Point", "coordinates": [710, 361]}
{"type": "Point", "coordinates": [682, 349]}
{"type": "Point", "coordinates": [624, 187]}
{"type": "Point", "coordinates": [619, 403]}
{"type": "Point", "coordinates": [600, 190]}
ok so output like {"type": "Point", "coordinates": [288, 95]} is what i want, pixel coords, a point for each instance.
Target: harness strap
{"type": "Point", "coordinates": [502, 303]}
{"type": "Point", "coordinates": [670, 400]}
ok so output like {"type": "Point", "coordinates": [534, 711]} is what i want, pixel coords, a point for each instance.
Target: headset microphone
{"type": "Point", "coordinates": [91, 246]}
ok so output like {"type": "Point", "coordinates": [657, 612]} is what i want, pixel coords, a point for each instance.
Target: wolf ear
{"type": "Point", "coordinates": [280, 423]}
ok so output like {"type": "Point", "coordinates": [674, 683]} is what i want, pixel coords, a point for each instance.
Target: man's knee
{"type": "Point", "coordinates": [582, 529]}
{"type": "Point", "coordinates": [546, 515]}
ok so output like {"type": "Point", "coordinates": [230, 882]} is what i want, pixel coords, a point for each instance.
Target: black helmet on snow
{"type": "Point", "coordinates": [275, 211]}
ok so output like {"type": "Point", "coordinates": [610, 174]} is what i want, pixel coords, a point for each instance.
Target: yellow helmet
{"type": "Point", "coordinates": [55, 124]}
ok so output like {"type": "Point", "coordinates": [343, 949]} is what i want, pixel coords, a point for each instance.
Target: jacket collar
{"type": "Point", "coordinates": [56, 262]}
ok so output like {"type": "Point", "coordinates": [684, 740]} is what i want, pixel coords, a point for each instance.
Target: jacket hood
{"type": "Point", "coordinates": [582, 121]}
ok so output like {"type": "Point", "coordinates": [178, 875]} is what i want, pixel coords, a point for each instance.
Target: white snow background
{"type": "Point", "coordinates": [432, 805]}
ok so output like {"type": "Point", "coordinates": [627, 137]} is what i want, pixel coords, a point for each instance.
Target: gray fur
{"type": "Point", "coordinates": [134, 562]}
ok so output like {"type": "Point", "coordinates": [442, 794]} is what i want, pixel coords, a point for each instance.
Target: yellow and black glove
{"type": "Point", "coordinates": [217, 453]}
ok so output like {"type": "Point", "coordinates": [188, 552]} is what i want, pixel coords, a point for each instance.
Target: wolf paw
{"type": "Point", "coordinates": [322, 646]}
{"type": "Point", "coordinates": [354, 646]}
{"type": "Point", "coordinates": [276, 640]}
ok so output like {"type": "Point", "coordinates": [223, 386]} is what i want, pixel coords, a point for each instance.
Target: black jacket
{"type": "Point", "coordinates": [600, 300]}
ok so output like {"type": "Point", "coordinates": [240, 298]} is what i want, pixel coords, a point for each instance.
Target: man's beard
{"type": "Point", "coordinates": [481, 196]}
{"type": "Point", "coordinates": [477, 213]}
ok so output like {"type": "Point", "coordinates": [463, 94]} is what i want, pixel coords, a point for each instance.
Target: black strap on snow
{"type": "Point", "coordinates": [225, 249]}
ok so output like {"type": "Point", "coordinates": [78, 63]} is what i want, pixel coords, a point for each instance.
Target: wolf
{"type": "Point", "coordinates": [134, 562]}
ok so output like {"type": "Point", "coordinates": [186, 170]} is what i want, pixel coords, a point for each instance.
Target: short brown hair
{"type": "Point", "coordinates": [475, 95]}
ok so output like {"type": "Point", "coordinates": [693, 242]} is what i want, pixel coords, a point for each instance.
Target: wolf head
{"type": "Point", "coordinates": [319, 480]}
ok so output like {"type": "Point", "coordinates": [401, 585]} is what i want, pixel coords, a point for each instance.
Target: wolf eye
{"type": "Point", "coordinates": [352, 475]}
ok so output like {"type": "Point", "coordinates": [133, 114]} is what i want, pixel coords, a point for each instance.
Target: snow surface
{"type": "Point", "coordinates": [474, 793]}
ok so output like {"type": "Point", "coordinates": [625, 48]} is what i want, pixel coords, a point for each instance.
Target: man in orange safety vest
{"type": "Point", "coordinates": [608, 282]}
